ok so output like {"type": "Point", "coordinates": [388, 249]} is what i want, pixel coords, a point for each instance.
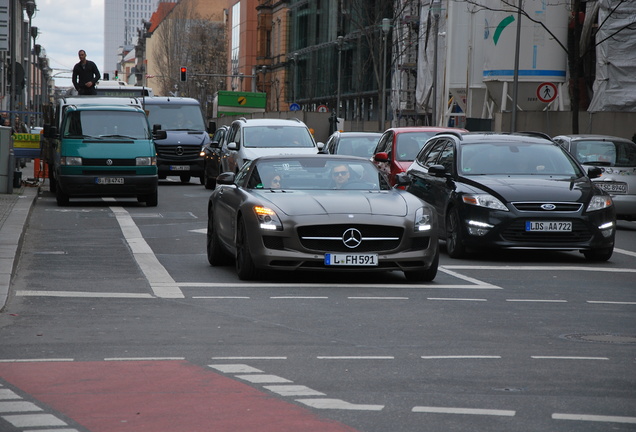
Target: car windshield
{"type": "Point", "coordinates": [410, 143]}
{"type": "Point", "coordinates": [605, 153]}
{"type": "Point", "coordinates": [106, 124]}
{"type": "Point", "coordinates": [176, 117]}
{"type": "Point", "coordinates": [516, 159]}
{"type": "Point", "coordinates": [277, 136]}
{"type": "Point", "coordinates": [357, 145]}
{"type": "Point", "coordinates": [315, 174]}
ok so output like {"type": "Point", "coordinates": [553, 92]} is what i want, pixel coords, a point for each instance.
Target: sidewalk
{"type": "Point", "coordinates": [14, 212]}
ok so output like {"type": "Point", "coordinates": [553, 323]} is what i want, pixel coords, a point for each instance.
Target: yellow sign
{"type": "Point", "coordinates": [26, 141]}
{"type": "Point", "coordinates": [242, 100]}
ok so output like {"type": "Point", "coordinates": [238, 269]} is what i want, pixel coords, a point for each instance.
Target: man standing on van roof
{"type": "Point", "coordinates": [85, 75]}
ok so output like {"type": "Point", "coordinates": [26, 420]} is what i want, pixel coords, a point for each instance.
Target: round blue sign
{"type": "Point", "coordinates": [294, 107]}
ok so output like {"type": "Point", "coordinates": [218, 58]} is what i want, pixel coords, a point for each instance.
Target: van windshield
{"type": "Point", "coordinates": [106, 124]}
{"type": "Point", "coordinates": [176, 117]}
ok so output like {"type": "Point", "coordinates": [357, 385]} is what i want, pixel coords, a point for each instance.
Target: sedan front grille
{"type": "Point", "coordinates": [330, 238]}
{"type": "Point", "coordinates": [177, 152]}
{"type": "Point", "coordinates": [548, 207]}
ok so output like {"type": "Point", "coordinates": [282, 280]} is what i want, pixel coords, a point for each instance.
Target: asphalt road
{"type": "Point", "coordinates": [116, 322]}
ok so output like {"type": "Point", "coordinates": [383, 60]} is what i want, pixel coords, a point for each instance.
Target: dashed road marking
{"type": "Point", "coordinates": [263, 379]}
{"type": "Point", "coordinates": [594, 418]}
{"type": "Point", "coordinates": [293, 390]}
{"type": "Point", "coordinates": [567, 358]}
{"type": "Point", "coordinates": [460, 357]}
{"type": "Point", "coordinates": [543, 268]}
{"type": "Point", "coordinates": [473, 411]}
{"type": "Point", "coordinates": [338, 404]}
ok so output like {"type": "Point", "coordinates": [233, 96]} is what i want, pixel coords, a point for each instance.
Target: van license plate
{"type": "Point", "coordinates": [109, 180]}
{"type": "Point", "coordinates": [548, 226]}
{"type": "Point", "coordinates": [179, 167]}
{"type": "Point", "coordinates": [351, 259]}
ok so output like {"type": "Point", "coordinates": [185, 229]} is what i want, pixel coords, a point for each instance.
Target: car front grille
{"type": "Point", "coordinates": [108, 162]}
{"type": "Point", "coordinates": [330, 238]}
{"type": "Point", "coordinates": [177, 152]}
{"type": "Point", "coordinates": [516, 232]}
{"type": "Point", "coordinates": [557, 207]}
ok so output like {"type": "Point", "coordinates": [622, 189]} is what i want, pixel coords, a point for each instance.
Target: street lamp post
{"type": "Point", "coordinates": [30, 9]}
{"type": "Point", "coordinates": [386, 26]}
{"type": "Point", "coordinates": [340, 43]}
{"type": "Point", "coordinates": [436, 12]}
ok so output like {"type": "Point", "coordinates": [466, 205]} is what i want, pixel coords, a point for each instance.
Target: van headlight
{"type": "Point", "coordinates": [423, 220]}
{"type": "Point", "coordinates": [71, 161]}
{"type": "Point", "coordinates": [145, 161]}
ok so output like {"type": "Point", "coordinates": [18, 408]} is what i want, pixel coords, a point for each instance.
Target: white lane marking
{"type": "Point", "coordinates": [444, 357]}
{"type": "Point", "coordinates": [567, 358]}
{"type": "Point", "coordinates": [293, 390]}
{"type": "Point", "coordinates": [625, 252]}
{"type": "Point", "coordinates": [263, 379]}
{"type": "Point", "coordinates": [158, 277]}
{"type": "Point", "coordinates": [610, 302]}
{"type": "Point", "coordinates": [331, 285]}
{"type": "Point", "coordinates": [594, 418]}
{"type": "Point", "coordinates": [299, 297]}
{"type": "Point", "coordinates": [200, 231]}
{"type": "Point", "coordinates": [81, 294]}
{"type": "Point", "coordinates": [221, 297]}
{"type": "Point", "coordinates": [536, 300]}
{"type": "Point", "coordinates": [338, 404]}
{"type": "Point", "coordinates": [33, 420]}
{"type": "Point", "coordinates": [250, 358]}
{"type": "Point", "coordinates": [36, 360]}
{"type": "Point", "coordinates": [446, 270]}
{"type": "Point", "coordinates": [456, 299]}
{"type": "Point", "coordinates": [114, 359]}
{"type": "Point", "coordinates": [8, 394]}
{"type": "Point", "coordinates": [355, 357]}
{"type": "Point", "coordinates": [473, 411]}
{"type": "Point", "coordinates": [18, 406]}
{"type": "Point", "coordinates": [378, 298]}
{"type": "Point", "coordinates": [545, 268]}
{"type": "Point", "coordinates": [235, 368]}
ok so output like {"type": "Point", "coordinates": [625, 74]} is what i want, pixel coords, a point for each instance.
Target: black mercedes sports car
{"type": "Point", "coordinates": [512, 191]}
{"type": "Point", "coordinates": [319, 212]}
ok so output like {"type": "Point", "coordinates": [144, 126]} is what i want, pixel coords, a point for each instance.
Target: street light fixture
{"type": "Point", "coordinates": [340, 43]}
{"type": "Point", "coordinates": [386, 27]}
{"type": "Point", "coordinates": [437, 4]}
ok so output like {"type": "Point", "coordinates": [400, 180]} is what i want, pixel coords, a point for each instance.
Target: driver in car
{"type": "Point", "coordinates": [340, 175]}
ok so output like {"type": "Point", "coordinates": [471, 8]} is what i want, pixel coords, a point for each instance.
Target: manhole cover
{"type": "Point", "coordinates": [603, 337]}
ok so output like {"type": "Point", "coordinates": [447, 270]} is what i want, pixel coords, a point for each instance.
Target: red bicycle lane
{"type": "Point", "coordinates": [155, 396]}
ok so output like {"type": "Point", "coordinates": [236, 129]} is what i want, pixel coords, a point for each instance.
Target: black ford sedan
{"type": "Point", "coordinates": [512, 191]}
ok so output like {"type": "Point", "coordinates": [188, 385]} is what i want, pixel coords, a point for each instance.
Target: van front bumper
{"type": "Point", "coordinates": [107, 185]}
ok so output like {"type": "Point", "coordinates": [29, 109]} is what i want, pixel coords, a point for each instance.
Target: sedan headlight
{"type": "Point", "coordinates": [484, 200]}
{"type": "Point", "coordinates": [599, 202]}
{"type": "Point", "coordinates": [423, 219]}
{"type": "Point", "coordinates": [267, 219]}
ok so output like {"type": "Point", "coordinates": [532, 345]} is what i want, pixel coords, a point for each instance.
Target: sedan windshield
{"type": "Point", "coordinates": [516, 159]}
{"type": "Point", "coordinates": [315, 174]}
{"type": "Point", "coordinates": [607, 153]}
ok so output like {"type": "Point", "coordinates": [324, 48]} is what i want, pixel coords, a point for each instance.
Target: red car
{"type": "Point", "coordinates": [398, 147]}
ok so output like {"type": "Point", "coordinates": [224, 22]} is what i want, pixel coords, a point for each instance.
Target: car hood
{"type": "Point", "coordinates": [300, 203]}
{"type": "Point", "coordinates": [531, 188]}
{"type": "Point", "coordinates": [252, 153]}
{"type": "Point", "coordinates": [184, 137]}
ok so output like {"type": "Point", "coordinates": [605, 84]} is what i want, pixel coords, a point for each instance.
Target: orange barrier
{"type": "Point", "coordinates": [40, 169]}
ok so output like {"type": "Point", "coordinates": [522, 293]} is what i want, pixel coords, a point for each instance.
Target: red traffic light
{"type": "Point", "coordinates": [184, 73]}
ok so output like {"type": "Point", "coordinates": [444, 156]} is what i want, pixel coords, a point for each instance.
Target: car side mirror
{"type": "Point", "coordinates": [437, 170]}
{"type": "Point", "coordinates": [155, 128]}
{"type": "Point", "coordinates": [594, 172]}
{"type": "Point", "coordinates": [226, 178]}
{"type": "Point", "coordinates": [159, 134]}
{"type": "Point", "coordinates": [232, 146]}
{"type": "Point", "coordinates": [320, 146]}
{"type": "Point", "coordinates": [211, 127]}
{"type": "Point", "coordinates": [402, 179]}
{"type": "Point", "coordinates": [381, 157]}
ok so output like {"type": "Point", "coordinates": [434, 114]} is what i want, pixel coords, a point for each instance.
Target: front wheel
{"type": "Point", "coordinates": [209, 182]}
{"type": "Point", "coordinates": [185, 178]}
{"type": "Point", "coordinates": [598, 255]}
{"type": "Point", "coordinates": [424, 275]}
{"type": "Point", "coordinates": [61, 197]}
{"type": "Point", "coordinates": [151, 199]}
{"type": "Point", "coordinates": [215, 252]}
{"type": "Point", "coordinates": [245, 268]}
{"type": "Point", "coordinates": [454, 237]}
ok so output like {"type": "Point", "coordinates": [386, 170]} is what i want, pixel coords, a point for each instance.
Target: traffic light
{"type": "Point", "coordinates": [184, 73]}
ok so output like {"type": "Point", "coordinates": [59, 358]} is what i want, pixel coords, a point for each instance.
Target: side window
{"type": "Point", "coordinates": [447, 157]}
{"type": "Point", "coordinates": [429, 156]}
{"type": "Point", "coordinates": [384, 145]}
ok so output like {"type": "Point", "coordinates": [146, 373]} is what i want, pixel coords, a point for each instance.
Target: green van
{"type": "Point", "coordinates": [104, 150]}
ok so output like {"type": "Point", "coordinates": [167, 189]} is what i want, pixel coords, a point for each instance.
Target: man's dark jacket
{"type": "Point", "coordinates": [83, 73]}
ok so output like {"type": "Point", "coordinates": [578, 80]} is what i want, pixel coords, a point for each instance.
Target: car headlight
{"type": "Point", "coordinates": [267, 219]}
{"type": "Point", "coordinates": [599, 202]}
{"type": "Point", "coordinates": [145, 161]}
{"type": "Point", "coordinates": [423, 220]}
{"type": "Point", "coordinates": [484, 200]}
{"type": "Point", "coordinates": [71, 161]}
